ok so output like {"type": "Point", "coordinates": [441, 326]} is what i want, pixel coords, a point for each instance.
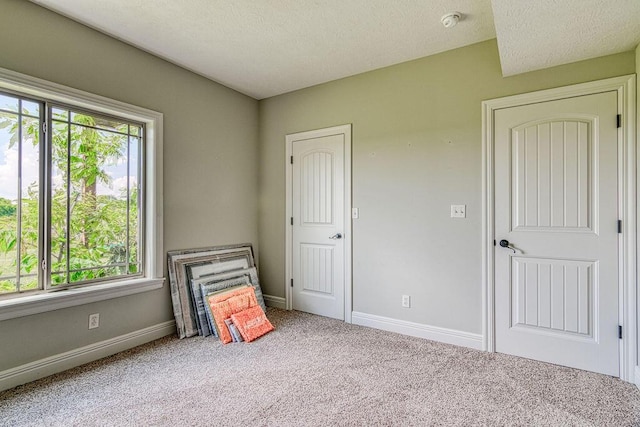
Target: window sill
{"type": "Point", "coordinates": [41, 303]}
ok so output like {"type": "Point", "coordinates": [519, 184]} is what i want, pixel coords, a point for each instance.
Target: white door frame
{"type": "Point", "coordinates": [625, 86]}
{"type": "Point", "coordinates": [344, 130]}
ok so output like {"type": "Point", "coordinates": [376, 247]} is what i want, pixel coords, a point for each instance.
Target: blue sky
{"type": "Point", "coordinates": [30, 161]}
{"type": "Point", "coordinates": [9, 170]}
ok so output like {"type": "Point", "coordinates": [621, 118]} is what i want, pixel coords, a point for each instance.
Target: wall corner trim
{"type": "Point", "coordinates": [273, 301]}
{"type": "Point", "coordinates": [60, 362]}
{"type": "Point", "coordinates": [434, 333]}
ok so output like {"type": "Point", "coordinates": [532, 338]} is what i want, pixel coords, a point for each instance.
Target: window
{"type": "Point", "coordinates": [80, 199]}
{"type": "Point", "coordinates": [81, 222]}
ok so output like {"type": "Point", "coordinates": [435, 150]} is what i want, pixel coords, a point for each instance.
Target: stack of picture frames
{"type": "Point", "coordinates": [196, 273]}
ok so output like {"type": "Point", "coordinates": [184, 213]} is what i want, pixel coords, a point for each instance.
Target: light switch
{"type": "Point", "coordinates": [458, 211]}
{"type": "Point", "coordinates": [355, 213]}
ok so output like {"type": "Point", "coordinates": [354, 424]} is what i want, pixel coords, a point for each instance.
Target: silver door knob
{"type": "Point", "coordinates": [336, 236]}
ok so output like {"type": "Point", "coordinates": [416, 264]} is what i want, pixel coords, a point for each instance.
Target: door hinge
{"type": "Point", "coordinates": [619, 121]}
{"type": "Point", "coordinates": [292, 283]}
{"type": "Point", "coordinates": [619, 331]}
{"type": "Point", "coordinates": [291, 159]}
{"type": "Point", "coordinates": [619, 226]}
{"type": "Point", "coordinates": [43, 265]}
{"type": "Point", "coordinates": [291, 220]}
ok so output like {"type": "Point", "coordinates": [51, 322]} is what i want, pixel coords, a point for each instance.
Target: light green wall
{"type": "Point", "coordinates": [210, 152]}
{"type": "Point", "coordinates": [416, 151]}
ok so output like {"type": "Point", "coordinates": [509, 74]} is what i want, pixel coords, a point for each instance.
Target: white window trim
{"type": "Point", "coordinates": [28, 304]}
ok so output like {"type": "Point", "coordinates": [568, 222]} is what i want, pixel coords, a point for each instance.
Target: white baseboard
{"type": "Point", "coordinates": [434, 333]}
{"type": "Point", "coordinates": [637, 376]}
{"type": "Point", "coordinates": [60, 362]}
{"type": "Point", "coordinates": [277, 302]}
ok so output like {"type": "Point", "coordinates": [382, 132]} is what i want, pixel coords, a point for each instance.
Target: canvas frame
{"type": "Point", "coordinates": [200, 290]}
{"type": "Point", "coordinates": [217, 288]}
{"type": "Point", "coordinates": [252, 274]}
{"type": "Point", "coordinates": [179, 260]}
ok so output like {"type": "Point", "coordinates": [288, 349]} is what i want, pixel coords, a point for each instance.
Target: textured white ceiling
{"type": "Point", "coordinates": [543, 33]}
{"type": "Point", "coordinates": [264, 47]}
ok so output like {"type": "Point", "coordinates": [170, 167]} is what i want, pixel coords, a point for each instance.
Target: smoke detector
{"type": "Point", "coordinates": [450, 19]}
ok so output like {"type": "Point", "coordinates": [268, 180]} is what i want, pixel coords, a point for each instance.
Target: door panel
{"type": "Point", "coordinates": [318, 215]}
{"type": "Point", "coordinates": [316, 187]}
{"type": "Point", "coordinates": [553, 295]}
{"type": "Point", "coordinates": [316, 268]}
{"type": "Point", "coordinates": [553, 177]}
{"type": "Point", "coordinates": [556, 203]}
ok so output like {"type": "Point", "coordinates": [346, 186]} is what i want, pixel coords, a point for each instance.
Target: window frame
{"type": "Point", "coordinates": [41, 190]}
{"type": "Point", "coordinates": [48, 107]}
{"type": "Point", "coordinates": [17, 305]}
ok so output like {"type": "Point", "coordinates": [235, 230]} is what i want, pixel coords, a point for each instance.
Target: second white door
{"type": "Point", "coordinates": [318, 224]}
{"type": "Point", "coordinates": [556, 204]}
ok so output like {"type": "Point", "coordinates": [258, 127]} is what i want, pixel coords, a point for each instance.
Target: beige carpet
{"type": "Point", "coordinates": [319, 372]}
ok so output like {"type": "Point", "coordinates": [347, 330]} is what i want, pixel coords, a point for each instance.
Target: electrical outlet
{"type": "Point", "coordinates": [94, 320]}
{"type": "Point", "coordinates": [406, 301]}
{"type": "Point", "coordinates": [458, 211]}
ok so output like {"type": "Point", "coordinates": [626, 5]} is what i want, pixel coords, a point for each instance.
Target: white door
{"type": "Point", "coordinates": [556, 203]}
{"type": "Point", "coordinates": [318, 248]}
